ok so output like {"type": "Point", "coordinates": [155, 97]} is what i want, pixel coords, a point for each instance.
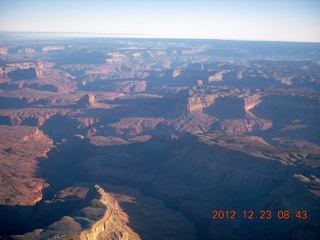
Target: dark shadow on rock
{"type": "Point", "coordinates": [60, 170]}
{"type": "Point", "coordinates": [23, 74]}
{"type": "Point", "coordinates": [60, 127]}
{"type": "Point", "coordinates": [187, 175]}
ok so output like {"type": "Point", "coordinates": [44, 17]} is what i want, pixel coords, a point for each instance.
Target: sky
{"type": "Point", "coordinates": [268, 20]}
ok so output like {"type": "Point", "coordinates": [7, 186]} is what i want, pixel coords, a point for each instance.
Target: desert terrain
{"type": "Point", "coordinates": [119, 138]}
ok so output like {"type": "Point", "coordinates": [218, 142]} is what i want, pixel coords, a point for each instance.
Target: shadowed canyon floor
{"type": "Point", "coordinates": [145, 138]}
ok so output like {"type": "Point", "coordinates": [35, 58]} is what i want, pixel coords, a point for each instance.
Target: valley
{"type": "Point", "coordinates": [111, 138]}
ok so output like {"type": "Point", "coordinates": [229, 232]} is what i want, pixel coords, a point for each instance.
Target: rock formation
{"type": "Point", "coordinates": [21, 147]}
{"type": "Point", "coordinates": [89, 102]}
{"type": "Point", "coordinates": [172, 129]}
{"type": "Point", "coordinates": [101, 219]}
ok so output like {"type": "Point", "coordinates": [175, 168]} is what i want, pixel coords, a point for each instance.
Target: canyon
{"type": "Point", "coordinates": [109, 138]}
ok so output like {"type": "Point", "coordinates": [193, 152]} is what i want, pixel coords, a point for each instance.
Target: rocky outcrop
{"type": "Point", "coordinates": [251, 101]}
{"type": "Point", "coordinates": [176, 73]}
{"type": "Point", "coordinates": [130, 86]}
{"type": "Point", "coordinates": [38, 76]}
{"type": "Point", "coordinates": [101, 219]}
{"type": "Point", "coordinates": [18, 165]}
{"type": "Point", "coordinates": [184, 171]}
{"type": "Point", "coordinates": [34, 117]}
{"type": "Point", "coordinates": [195, 121]}
{"type": "Point", "coordinates": [217, 77]}
{"type": "Point", "coordinates": [133, 126]}
{"type": "Point", "coordinates": [112, 225]}
{"type": "Point", "coordinates": [199, 102]}
{"type": "Point", "coordinates": [89, 102]}
{"type": "Point", "coordinates": [22, 70]}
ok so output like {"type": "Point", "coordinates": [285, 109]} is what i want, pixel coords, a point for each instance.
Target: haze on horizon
{"type": "Point", "coordinates": [271, 20]}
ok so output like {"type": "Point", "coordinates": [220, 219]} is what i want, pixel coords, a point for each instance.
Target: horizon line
{"type": "Point", "coordinates": [137, 36]}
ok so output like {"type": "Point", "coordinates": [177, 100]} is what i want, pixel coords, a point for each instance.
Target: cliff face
{"type": "Point", "coordinates": [251, 101]}
{"type": "Point", "coordinates": [36, 75]}
{"type": "Point", "coordinates": [100, 219]}
{"type": "Point", "coordinates": [228, 111]}
{"type": "Point", "coordinates": [112, 225]}
{"type": "Point", "coordinates": [182, 172]}
{"type": "Point", "coordinates": [18, 164]}
{"type": "Point", "coordinates": [89, 102]}
{"type": "Point", "coordinates": [199, 102]}
{"type": "Point", "coordinates": [22, 70]}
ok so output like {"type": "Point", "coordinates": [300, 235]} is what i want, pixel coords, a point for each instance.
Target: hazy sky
{"type": "Point", "coordinates": [284, 20]}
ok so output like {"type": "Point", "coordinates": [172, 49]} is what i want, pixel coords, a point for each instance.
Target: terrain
{"type": "Point", "coordinates": [107, 138]}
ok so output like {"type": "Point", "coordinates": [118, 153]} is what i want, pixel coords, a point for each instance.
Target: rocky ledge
{"type": "Point", "coordinates": [102, 218]}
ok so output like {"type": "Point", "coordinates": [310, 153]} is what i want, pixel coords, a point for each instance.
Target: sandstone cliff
{"type": "Point", "coordinates": [199, 102]}
{"type": "Point", "coordinates": [101, 219]}
{"type": "Point", "coordinates": [89, 101]}
{"type": "Point", "coordinates": [18, 164]}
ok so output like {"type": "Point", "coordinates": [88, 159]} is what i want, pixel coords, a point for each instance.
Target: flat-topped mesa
{"type": "Point", "coordinates": [22, 70]}
{"type": "Point", "coordinates": [52, 48]}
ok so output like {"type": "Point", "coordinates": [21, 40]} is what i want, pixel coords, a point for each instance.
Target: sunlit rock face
{"type": "Point", "coordinates": [167, 130]}
{"type": "Point", "coordinates": [102, 218]}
